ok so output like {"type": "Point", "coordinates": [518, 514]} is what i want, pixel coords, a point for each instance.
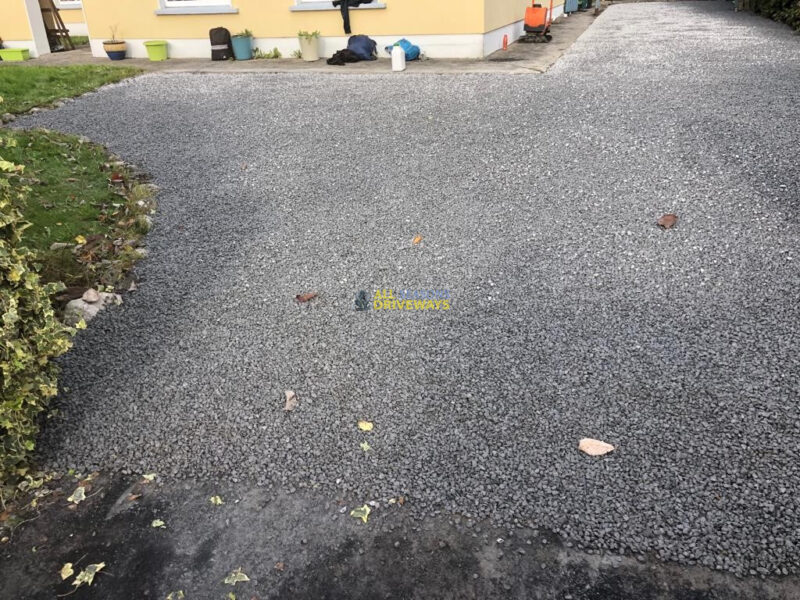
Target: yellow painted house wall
{"type": "Point", "coordinates": [14, 21]}
{"type": "Point", "coordinates": [273, 18]}
{"type": "Point", "coordinates": [71, 16]}
{"type": "Point", "coordinates": [498, 13]}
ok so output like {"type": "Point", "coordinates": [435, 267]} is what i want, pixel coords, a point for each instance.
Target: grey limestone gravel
{"type": "Point", "coordinates": [572, 314]}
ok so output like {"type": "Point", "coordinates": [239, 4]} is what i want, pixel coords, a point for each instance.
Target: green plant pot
{"type": "Point", "coordinates": [242, 47]}
{"type": "Point", "coordinates": [15, 54]}
{"type": "Point", "coordinates": [156, 50]}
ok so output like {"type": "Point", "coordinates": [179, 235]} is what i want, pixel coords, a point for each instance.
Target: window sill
{"type": "Point", "coordinates": [306, 6]}
{"type": "Point", "coordinates": [198, 10]}
{"type": "Point", "coordinates": [62, 7]}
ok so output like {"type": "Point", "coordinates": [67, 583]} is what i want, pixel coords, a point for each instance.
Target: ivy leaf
{"type": "Point", "coordinates": [235, 577]}
{"type": "Point", "coordinates": [87, 575]}
{"type": "Point", "coordinates": [361, 513]}
{"type": "Point", "coordinates": [78, 496]}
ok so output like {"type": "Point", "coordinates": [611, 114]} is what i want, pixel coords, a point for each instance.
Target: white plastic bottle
{"type": "Point", "coordinates": [398, 59]}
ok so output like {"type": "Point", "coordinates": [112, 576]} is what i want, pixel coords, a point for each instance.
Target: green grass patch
{"type": "Point", "coordinates": [26, 87]}
{"type": "Point", "coordinates": [67, 185]}
{"type": "Point", "coordinates": [80, 40]}
{"type": "Point", "coordinates": [72, 200]}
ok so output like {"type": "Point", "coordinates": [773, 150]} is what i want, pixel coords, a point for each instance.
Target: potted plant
{"type": "Point", "coordinates": [309, 45]}
{"type": "Point", "coordinates": [243, 45]}
{"type": "Point", "coordinates": [115, 49]}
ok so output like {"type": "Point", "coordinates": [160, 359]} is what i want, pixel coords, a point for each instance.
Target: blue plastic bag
{"type": "Point", "coordinates": [362, 46]}
{"type": "Point", "coordinates": [412, 51]}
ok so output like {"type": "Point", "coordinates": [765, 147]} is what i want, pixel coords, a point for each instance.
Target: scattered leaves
{"type": "Point", "coordinates": [365, 425]}
{"type": "Point", "coordinates": [179, 595]}
{"type": "Point", "coordinates": [361, 513]}
{"type": "Point", "coordinates": [305, 297]}
{"type": "Point", "coordinates": [668, 221]}
{"type": "Point", "coordinates": [400, 500]}
{"type": "Point", "coordinates": [235, 577]}
{"type": "Point", "coordinates": [78, 496]}
{"type": "Point", "coordinates": [216, 501]}
{"type": "Point", "coordinates": [158, 523]}
{"type": "Point", "coordinates": [291, 401]}
{"type": "Point", "coordinates": [417, 239]}
{"type": "Point", "coordinates": [594, 447]}
{"type": "Point", "coordinates": [87, 575]}
{"type": "Point", "coordinates": [365, 447]}
{"type": "Point", "coordinates": [66, 571]}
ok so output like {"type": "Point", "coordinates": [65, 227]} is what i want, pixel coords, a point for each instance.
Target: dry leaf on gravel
{"type": "Point", "coordinates": [365, 425]}
{"type": "Point", "coordinates": [668, 221]}
{"type": "Point", "coordinates": [235, 577]}
{"type": "Point", "coordinates": [78, 496]}
{"type": "Point", "coordinates": [361, 513]}
{"type": "Point", "coordinates": [365, 447]}
{"type": "Point", "coordinates": [280, 566]}
{"type": "Point", "coordinates": [291, 401]}
{"type": "Point", "coordinates": [87, 575]}
{"type": "Point", "coordinates": [216, 501]}
{"type": "Point", "coordinates": [417, 239]}
{"type": "Point", "coordinates": [66, 571]}
{"type": "Point", "coordinates": [594, 447]}
{"type": "Point", "coordinates": [305, 297]}
{"type": "Point", "coordinates": [179, 595]}
{"type": "Point", "coordinates": [149, 477]}
{"type": "Point", "coordinates": [133, 497]}
{"type": "Point", "coordinates": [158, 523]}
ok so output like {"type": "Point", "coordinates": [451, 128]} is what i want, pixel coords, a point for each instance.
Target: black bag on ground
{"type": "Point", "coordinates": [221, 46]}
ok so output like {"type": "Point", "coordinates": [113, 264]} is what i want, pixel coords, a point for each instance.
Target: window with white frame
{"type": "Point", "coordinates": [68, 4]}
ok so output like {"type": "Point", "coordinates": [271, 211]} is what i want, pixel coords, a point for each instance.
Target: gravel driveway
{"type": "Point", "coordinates": [571, 314]}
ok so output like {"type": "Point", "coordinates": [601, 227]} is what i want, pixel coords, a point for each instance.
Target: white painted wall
{"type": "Point", "coordinates": [40, 43]}
{"type": "Point", "coordinates": [433, 46]}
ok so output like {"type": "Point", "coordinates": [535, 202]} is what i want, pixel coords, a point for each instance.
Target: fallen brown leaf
{"type": "Point", "coordinates": [668, 221]}
{"type": "Point", "coordinates": [594, 447]}
{"type": "Point", "coordinates": [134, 497]}
{"type": "Point", "coordinates": [417, 239]}
{"type": "Point", "coordinates": [291, 401]}
{"type": "Point", "coordinates": [305, 297]}
{"type": "Point", "coordinates": [279, 566]}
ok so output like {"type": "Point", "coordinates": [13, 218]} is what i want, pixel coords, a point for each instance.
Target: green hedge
{"type": "Point", "coordinates": [785, 11]}
{"type": "Point", "coordinates": [31, 334]}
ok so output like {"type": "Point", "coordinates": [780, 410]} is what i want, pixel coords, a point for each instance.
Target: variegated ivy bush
{"type": "Point", "coordinates": [31, 334]}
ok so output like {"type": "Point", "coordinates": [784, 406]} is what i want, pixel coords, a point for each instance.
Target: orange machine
{"type": "Point", "coordinates": [537, 24]}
